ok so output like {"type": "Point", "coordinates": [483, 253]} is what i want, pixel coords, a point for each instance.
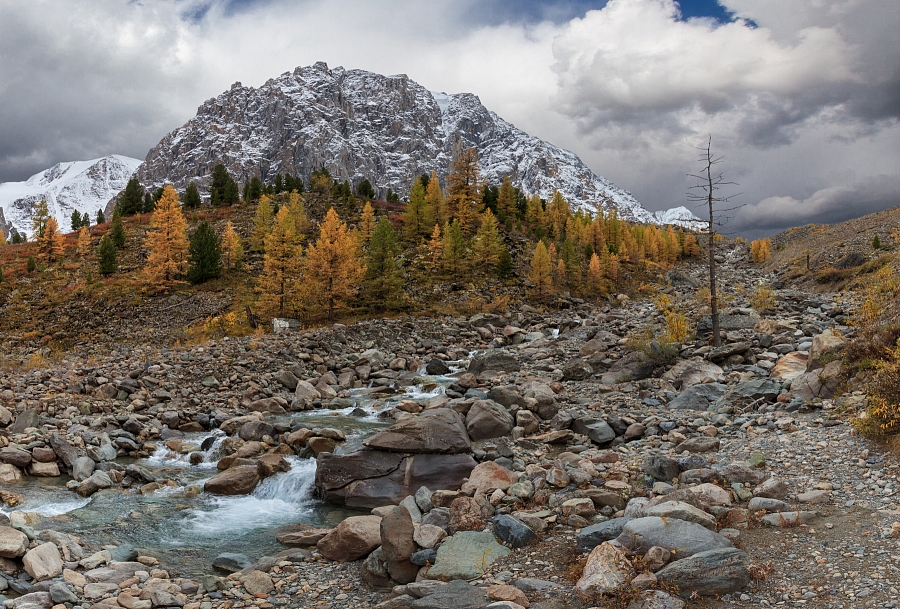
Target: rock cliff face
{"type": "Point", "coordinates": [359, 125]}
{"type": "Point", "coordinates": [82, 185]}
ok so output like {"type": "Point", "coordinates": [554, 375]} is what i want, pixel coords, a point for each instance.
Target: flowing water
{"type": "Point", "coordinates": [187, 533]}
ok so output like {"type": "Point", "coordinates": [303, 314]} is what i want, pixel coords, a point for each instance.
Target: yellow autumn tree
{"type": "Point", "coordinates": [761, 249]}
{"type": "Point", "coordinates": [558, 211]}
{"type": "Point", "coordinates": [279, 284]}
{"type": "Point", "coordinates": [436, 246]}
{"type": "Point", "coordinates": [464, 188]}
{"type": "Point", "coordinates": [435, 201]}
{"type": "Point", "coordinates": [691, 247]}
{"type": "Point", "coordinates": [262, 223]}
{"type": "Point", "coordinates": [50, 242]}
{"type": "Point", "coordinates": [595, 274]}
{"type": "Point", "coordinates": [506, 200]}
{"type": "Point", "coordinates": [232, 248]}
{"type": "Point", "coordinates": [333, 268]}
{"type": "Point", "coordinates": [297, 211]}
{"type": "Point", "coordinates": [541, 271]}
{"type": "Point", "coordinates": [367, 222]}
{"type": "Point", "coordinates": [167, 241]}
{"type": "Point", "coordinates": [488, 243]}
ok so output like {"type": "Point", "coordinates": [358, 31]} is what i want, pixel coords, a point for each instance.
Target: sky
{"type": "Point", "coordinates": [800, 97]}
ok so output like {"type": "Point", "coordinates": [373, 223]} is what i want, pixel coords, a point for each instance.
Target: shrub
{"type": "Point", "coordinates": [763, 298]}
{"type": "Point", "coordinates": [677, 327]}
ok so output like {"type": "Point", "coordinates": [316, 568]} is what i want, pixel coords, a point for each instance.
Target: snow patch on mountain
{"type": "Point", "coordinates": [83, 185]}
{"type": "Point", "coordinates": [679, 216]}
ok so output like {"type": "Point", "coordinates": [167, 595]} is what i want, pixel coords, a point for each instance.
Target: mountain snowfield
{"type": "Point", "coordinates": [83, 185]}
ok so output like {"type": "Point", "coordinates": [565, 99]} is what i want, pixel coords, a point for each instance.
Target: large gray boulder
{"type": "Point", "coordinates": [590, 537]}
{"type": "Point", "coordinates": [709, 573]}
{"type": "Point", "coordinates": [13, 543]}
{"type": "Point", "coordinates": [495, 359]}
{"type": "Point", "coordinates": [455, 595]}
{"type": "Point", "coordinates": [487, 419]}
{"type": "Point", "coordinates": [689, 372]}
{"type": "Point", "coordinates": [466, 555]}
{"type": "Point", "coordinates": [235, 481]}
{"type": "Point", "coordinates": [699, 397]}
{"type": "Point", "coordinates": [439, 431]}
{"type": "Point", "coordinates": [373, 478]}
{"type": "Point", "coordinates": [596, 429]}
{"type": "Point", "coordinates": [682, 538]}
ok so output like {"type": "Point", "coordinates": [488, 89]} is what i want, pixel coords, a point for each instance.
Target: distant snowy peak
{"type": "Point", "coordinates": [82, 185]}
{"type": "Point", "coordinates": [679, 216]}
{"type": "Point", "coordinates": [357, 124]}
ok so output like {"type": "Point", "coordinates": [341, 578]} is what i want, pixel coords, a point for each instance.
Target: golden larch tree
{"type": "Point", "coordinates": [232, 248]}
{"type": "Point", "coordinates": [434, 198]}
{"type": "Point", "coordinates": [558, 212]}
{"type": "Point", "coordinates": [541, 271]}
{"type": "Point", "coordinates": [262, 223]}
{"type": "Point", "coordinates": [366, 222]}
{"type": "Point", "coordinates": [506, 200]}
{"type": "Point", "coordinates": [488, 243]}
{"type": "Point", "coordinates": [334, 265]}
{"type": "Point", "coordinates": [595, 274]}
{"type": "Point", "coordinates": [435, 246]}
{"type": "Point", "coordinates": [50, 243]}
{"type": "Point", "coordinates": [297, 211]}
{"type": "Point", "coordinates": [167, 241]}
{"type": "Point", "coordinates": [279, 284]}
{"type": "Point", "coordinates": [464, 188]}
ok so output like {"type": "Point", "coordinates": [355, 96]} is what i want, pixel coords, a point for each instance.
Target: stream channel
{"type": "Point", "coordinates": [187, 533]}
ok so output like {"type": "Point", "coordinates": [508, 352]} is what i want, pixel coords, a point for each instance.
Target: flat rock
{"type": "Point", "coordinates": [700, 444]}
{"type": "Point", "coordinates": [788, 519]}
{"type": "Point", "coordinates": [43, 562]}
{"type": "Point", "coordinates": [709, 573]}
{"type": "Point", "coordinates": [440, 431]}
{"type": "Point", "coordinates": [590, 537]}
{"type": "Point", "coordinates": [689, 372]}
{"type": "Point", "coordinates": [488, 477]}
{"type": "Point", "coordinates": [465, 554]}
{"type": "Point", "coordinates": [682, 537]}
{"type": "Point", "coordinates": [698, 397]}
{"type": "Point", "coordinates": [455, 595]}
{"type": "Point", "coordinates": [682, 511]}
{"type": "Point", "coordinates": [789, 367]}
{"type": "Point", "coordinates": [235, 481]}
{"type": "Point", "coordinates": [495, 359]}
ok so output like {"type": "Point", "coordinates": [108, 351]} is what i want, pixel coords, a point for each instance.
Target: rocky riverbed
{"type": "Point", "coordinates": [528, 459]}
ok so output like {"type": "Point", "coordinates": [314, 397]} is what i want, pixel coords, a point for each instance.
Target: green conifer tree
{"type": "Point", "coordinates": [107, 256]}
{"type": "Point", "coordinates": [39, 218]}
{"type": "Point", "coordinates": [85, 219]}
{"type": "Point", "coordinates": [205, 252]}
{"type": "Point", "coordinates": [100, 217]}
{"type": "Point", "coordinates": [453, 252]}
{"type": "Point", "coordinates": [191, 196]}
{"type": "Point", "coordinates": [417, 220]}
{"type": "Point", "coordinates": [75, 220]}
{"type": "Point", "coordinates": [132, 200]}
{"type": "Point", "coordinates": [117, 229]}
{"type": "Point", "coordinates": [31, 265]}
{"type": "Point", "coordinates": [384, 278]}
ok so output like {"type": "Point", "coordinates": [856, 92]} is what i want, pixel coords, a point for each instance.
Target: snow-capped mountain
{"type": "Point", "coordinates": [679, 216]}
{"type": "Point", "coordinates": [83, 185]}
{"type": "Point", "coordinates": [388, 129]}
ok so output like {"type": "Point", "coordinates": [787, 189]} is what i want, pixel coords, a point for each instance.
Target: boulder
{"type": "Point", "coordinates": [709, 573]}
{"type": "Point", "coordinates": [465, 556]}
{"type": "Point", "coordinates": [258, 582]}
{"type": "Point", "coordinates": [656, 599]}
{"type": "Point", "coordinates": [494, 359]}
{"type": "Point", "coordinates": [10, 474]}
{"type": "Point", "coordinates": [32, 600]}
{"type": "Point", "coordinates": [352, 539]}
{"type": "Point", "coordinates": [577, 370]}
{"type": "Point", "coordinates": [468, 513]}
{"type": "Point", "coordinates": [428, 535]}
{"type": "Point", "coordinates": [592, 536]}
{"type": "Point", "coordinates": [789, 367]}
{"type": "Point", "coordinates": [15, 456]}
{"type": "Point", "coordinates": [254, 431]}
{"type": "Point", "coordinates": [455, 595]}
{"type": "Point", "coordinates": [43, 562]}
{"type": "Point", "coordinates": [720, 353]}
{"type": "Point", "coordinates": [682, 537]}
{"type": "Point", "coordinates": [592, 347]}
{"type": "Point", "coordinates": [82, 468]}
{"type": "Point", "coordinates": [235, 481]}
{"type": "Point", "coordinates": [397, 545]}
{"type": "Point", "coordinates": [488, 477]}
{"type": "Point", "coordinates": [700, 444]}
{"type": "Point", "coordinates": [369, 478]}
{"type": "Point", "coordinates": [596, 429]}
{"type": "Point", "coordinates": [823, 348]}
{"type": "Point", "coordinates": [487, 419]}
{"type": "Point", "coordinates": [307, 536]}
{"type": "Point", "coordinates": [631, 367]}
{"type": "Point", "coordinates": [508, 396]}
{"type": "Point", "coordinates": [689, 372]}
{"type": "Point", "coordinates": [698, 397]}
{"type": "Point", "coordinates": [818, 383]}
{"type": "Point", "coordinates": [437, 367]}
{"type": "Point", "coordinates": [438, 431]}
{"type": "Point", "coordinates": [682, 511]}
{"type": "Point", "coordinates": [231, 562]}
{"type": "Point", "coordinates": [744, 473]}
{"type": "Point", "coordinates": [97, 481]}
{"type": "Point", "coordinates": [513, 531]}
{"type": "Point", "coordinates": [607, 569]}
{"type": "Point", "coordinates": [710, 495]}
{"type": "Point", "coordinates": [24, 420]}
{"type": "Point", "coordinates": [42, 469]}
{"type": "Point", "coordinates": [13, 543]}
{"type": "Point", "coordinates": [661, 467]}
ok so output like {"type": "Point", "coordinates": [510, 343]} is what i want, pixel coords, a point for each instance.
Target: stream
{"type": "Point", "coordinates": [187, 532]}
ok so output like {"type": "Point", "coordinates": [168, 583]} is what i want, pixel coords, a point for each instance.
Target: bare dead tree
{"type": "Point", "coordinates": [704, 193]}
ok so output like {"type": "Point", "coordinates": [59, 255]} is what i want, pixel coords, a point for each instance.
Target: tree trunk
{"type": "Point", "coordinates": [713, 300]}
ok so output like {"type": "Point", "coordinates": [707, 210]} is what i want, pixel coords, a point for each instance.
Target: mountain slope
{"type": "Point", "coordinates": [359, 125]}
{"type": "Point", "coordinates": [83, 185]}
